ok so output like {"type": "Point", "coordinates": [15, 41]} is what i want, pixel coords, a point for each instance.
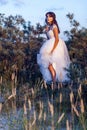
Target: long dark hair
{"type": "Point", "coordinates": [52, 14]}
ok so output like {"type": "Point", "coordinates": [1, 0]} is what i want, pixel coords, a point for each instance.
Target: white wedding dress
{"type": "Point", "coordinates": [59, 58]}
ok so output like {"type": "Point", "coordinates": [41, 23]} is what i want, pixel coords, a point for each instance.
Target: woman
{"type": "Point", "coordinates": [53, 56]}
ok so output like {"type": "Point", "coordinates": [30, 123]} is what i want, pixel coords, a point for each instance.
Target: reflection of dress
{"type": "Point", "coordinates": [59, 58]}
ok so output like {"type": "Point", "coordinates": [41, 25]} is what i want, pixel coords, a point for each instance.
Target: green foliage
{"type": "Point", "coordinates": [20, 43]}
{"type": "Point", "coordinates": [18, 46]}
{"type": "Point", "coordinates": [77, 44]}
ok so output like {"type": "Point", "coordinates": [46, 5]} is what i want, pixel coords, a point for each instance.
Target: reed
{"type": "Point", "coordinates": [45, 108]}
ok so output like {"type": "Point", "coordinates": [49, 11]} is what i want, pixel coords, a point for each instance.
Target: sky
{"type": "Point", "coordinates": [34, 10]}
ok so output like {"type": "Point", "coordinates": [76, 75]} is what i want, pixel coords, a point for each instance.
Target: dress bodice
{"type": "Point", "coordinates": [50, 33]}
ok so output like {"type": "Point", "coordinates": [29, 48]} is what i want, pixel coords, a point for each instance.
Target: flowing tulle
{"type": "Point", "coordinates": [59, 59]}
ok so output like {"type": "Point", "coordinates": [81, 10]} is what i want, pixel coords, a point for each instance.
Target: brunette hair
{"type": "Point", "coordinates": [52, 14]}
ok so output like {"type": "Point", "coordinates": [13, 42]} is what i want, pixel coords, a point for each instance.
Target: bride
{"type": "Point", "coordinates": [53, 56]}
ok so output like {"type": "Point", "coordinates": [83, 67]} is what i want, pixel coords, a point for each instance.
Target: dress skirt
{"type": "Point", "coordinates": [59, 59]}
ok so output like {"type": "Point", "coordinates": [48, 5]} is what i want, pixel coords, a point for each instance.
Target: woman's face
{"type": "Point", "coordinates": [49, 19]}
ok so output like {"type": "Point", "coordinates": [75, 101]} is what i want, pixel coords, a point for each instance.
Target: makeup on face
{"type": "Point", "coordinates": [49, 19]}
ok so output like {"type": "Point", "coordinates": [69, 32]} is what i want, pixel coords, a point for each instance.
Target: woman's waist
{"type": "Point", "coordinates": [50, 38]}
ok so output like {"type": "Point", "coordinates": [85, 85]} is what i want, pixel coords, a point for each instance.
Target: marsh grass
{"type": "Point", "coordinates": [42, 108]}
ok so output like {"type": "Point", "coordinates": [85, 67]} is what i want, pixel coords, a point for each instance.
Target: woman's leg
{"type": "Point", "coordinates": [53, 73]}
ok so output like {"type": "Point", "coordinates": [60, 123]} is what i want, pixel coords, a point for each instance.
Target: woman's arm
{"type": "Point", "coordinates": [55, 31]}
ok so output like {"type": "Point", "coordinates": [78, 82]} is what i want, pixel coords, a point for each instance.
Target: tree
{"type": "Point", "coordinates": [77, 43]}
{"type": "Point", "coordinates": [18, 47]}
